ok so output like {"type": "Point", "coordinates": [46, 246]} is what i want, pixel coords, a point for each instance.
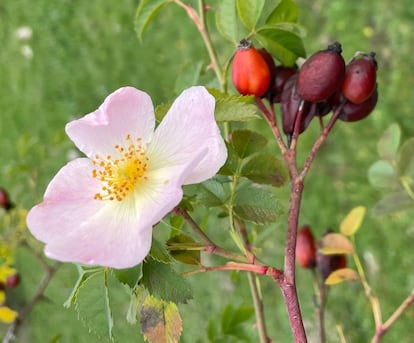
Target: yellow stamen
{"type": "Point", "coordinates": [122, 175]}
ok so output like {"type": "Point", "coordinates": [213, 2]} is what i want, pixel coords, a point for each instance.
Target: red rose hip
{"type": "Point", "coordinates": [322, 74]}
{"type": "Point", "coordinates": [305, 248]}
{"type": "Point", "coordinates": [360, 78]}
{"type": "Point", "coordinates": [250, 71]}
{"type": "Point", "coordinates": [354, 112]}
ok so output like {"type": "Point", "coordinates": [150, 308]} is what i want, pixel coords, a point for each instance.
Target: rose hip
{"type": "Point", "coordinates": [353, 112]}
{"type": "Point", "coordinates": [322, 74]}
{"type": "Point", "coordinates": [360, 78]}
{"type": "Point", "coordinates": [305, 248]}
{"type": "Point", "coordinates": [250, 72]}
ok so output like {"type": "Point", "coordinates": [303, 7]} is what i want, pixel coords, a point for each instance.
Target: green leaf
{"type": "Point", "coordinates": [211, 193]}
{"type": "Point", "coordinates": [393, 203]}
{"type": "Point", "coordinates": [92, 305]}
{"type": "Point", "coordinates": [146, 11]}
{"type": "Point", "coordinates": [388, 144]}
{"type": "Point", "coordinates": [160, 321]}
{"type": "Point", "coordinates": [341, 275]}
{"type": "Point", "coordinates": [159, 252]}
{"type": "Point", "coordinates": [129, 276]}
{"type": "Point", "coordinates": [231, 108]}
{"type": "Point", "coordinates": [284, 45]}
{"type": "Point", "coordinates": [84, 275]}
{"type": "Point", "coordinates": [226, 20]}
{"type": "Point", "coordinates": [249, 12]}
{"type": "Point", "coordinates": [405, 159]}
{"type": "Point", "coordinates": [246, 142]}
{"type": "Point", "coordinates": [382, 175]}
{"type": "Point", "coordinates": [352, 222]}
{"type": "Point", "coordinates": [232, 318]}
{"type": "Point", "coordinates": [265, 169]}
{"type": "Point", "coordinates": [188, 76]}
{"type": "Point", "coordinates": [285, 11]}
{"type": "Point", "coordinates": [176, 245]}
{"type": "Point", "coordinates": [232, 162]}
{"type": "Point", "coordinates": [256, 203]}
{"type": "Point", "coordinates": [163, 282]}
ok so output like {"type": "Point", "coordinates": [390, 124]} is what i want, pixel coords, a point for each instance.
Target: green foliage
{"type": "Point", "coordinates": [265, 169]}
{"type": "Point", "coordinates": [249, 12]}
{"type": "Point", "coordinates": [256, 203]}
{"type": "Point", "coordinates": [232, 327]}
{"type": "Point", "coordinates": [226, 20]}
{"type": "Point", "coordinates": [146, 11]}
{"type": "Point", "coordinates": [177, 245]}
{"type": "Point", "coordinates": [246, 142]}
{"type": "Point", "coordinates": [129, 276]}
{"type": "Point", "coordinates": [393, 174]}
{"type": "Point", "coordinates": [164, 283]}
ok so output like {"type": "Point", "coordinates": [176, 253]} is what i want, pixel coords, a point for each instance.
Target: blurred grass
{"type": "Point", "coordinates": [83, 50]}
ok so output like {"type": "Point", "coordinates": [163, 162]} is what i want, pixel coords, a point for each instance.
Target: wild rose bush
{"type": "Point", "coordinates": [100, 211]}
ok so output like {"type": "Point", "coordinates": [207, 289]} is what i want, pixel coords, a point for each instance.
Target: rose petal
{"type": "Point", "coordinates": [125, 111]}
{"type": "Point", "coordinates": [77, 228]}
{"type": "Point", "coordinates": [189, 129]}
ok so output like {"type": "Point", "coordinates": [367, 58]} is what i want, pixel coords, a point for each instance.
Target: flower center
{"type": "Point", "coordinates": [121, 176]}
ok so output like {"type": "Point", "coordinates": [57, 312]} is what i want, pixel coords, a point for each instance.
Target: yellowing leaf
{"type": "Point", "coordinates": [7, 315]}
{"type": "Point", "coordinates": [160, 321]}
{"type": "Point", "coordinates": [335, 244]}
{"type": "Point", "coordinates": [352, 221]}
{"type": "Point", "coordinates": [341, 275]}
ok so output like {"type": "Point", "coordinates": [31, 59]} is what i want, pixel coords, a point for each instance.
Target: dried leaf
{"type": "Point", "coordinates": [335, 244]}
{"type": "Point", "coordinates": [341, 275]}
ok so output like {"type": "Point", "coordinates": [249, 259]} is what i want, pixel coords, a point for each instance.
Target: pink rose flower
{"type": "Point", "coordinates": [100, 209]}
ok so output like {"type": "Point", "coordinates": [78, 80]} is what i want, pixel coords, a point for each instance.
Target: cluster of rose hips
{"type": "Point", "coordinates": [323, 84]}
{"type": "Point", "coordinates": [308, 257]}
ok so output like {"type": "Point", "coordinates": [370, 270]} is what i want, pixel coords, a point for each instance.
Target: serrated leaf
{"type": "Point", "coordinates": [249, 12]}
{"type": "Point", "coordinates": [388, 143]}
{"type": "Point", "coordinates": [190, 256]}
{"type": "Point", "coordinates": [163, 282]}
{"type": "Point", "coordinates": [129, 276]}
{"type": "Point", "coordinates": [84, 275]}
{"type": "Point", "coordinates": [335, 244]}
{"type": "Point", "coordinates": [405, 158]}
{"type": "Point", "coordinates": [246, 142]}
{"type": "Point", "coordinates": [257, 204]}
{"type": "Point", "coordinates": [138, 295]}
{"type": "Point", "coordinates": [146, 11]}
{"type": "Point", "coordinates": [341, 275]}
{"type": "Point", "coordinates": [92, 305]}
{"type": "Point", "coordinates": [284, 45]}
{"type": "Point", "coordinates": [285, 11]}
{"type": "Point", "coordinates": [159, 252]}
{"type": "Point", "coordinates": [265, 169]}
{"type": "Point", "coordinates": [352, 222]}
{"type": "Point", "coordinates": [393, 203]}
{"type": "Point", "coordinates": [160, 321]}
{"type": "Point", "coordinates": [226, 20]}
{"type": "Point", "coordinates": [382, 175]}
{"type": "Point", "coordinates": [231, 108]}
{"type": "Point", "coordinates": [211, 193]}
{"type": "Point", "coordinates": [232, 162]}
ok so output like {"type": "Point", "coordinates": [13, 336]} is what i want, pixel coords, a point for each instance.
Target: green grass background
{"type": "Point", "coordinates": [83, 50]}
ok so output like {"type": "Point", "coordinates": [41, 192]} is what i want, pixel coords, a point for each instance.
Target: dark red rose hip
{"type": "Point", "coordinates": [322, 74]}
{"type": "Point", "coordinates": [360, 78]}
{"type": "Point", "coordinates": [354, 112]}
{"type": "Point", "coordinates": [282, 74]}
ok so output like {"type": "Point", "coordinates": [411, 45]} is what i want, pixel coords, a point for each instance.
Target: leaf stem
{"type": "Point", "coordinates": [200, 22]}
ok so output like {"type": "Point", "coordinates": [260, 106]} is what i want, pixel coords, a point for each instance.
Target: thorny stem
{"type": "Point", "coordinates": [24, 312]}
{"type": "Point", "coordinates": [200, 22]}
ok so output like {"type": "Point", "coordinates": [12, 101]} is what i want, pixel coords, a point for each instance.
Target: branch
{"type": "Point", "coordinates": [23, 313]}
